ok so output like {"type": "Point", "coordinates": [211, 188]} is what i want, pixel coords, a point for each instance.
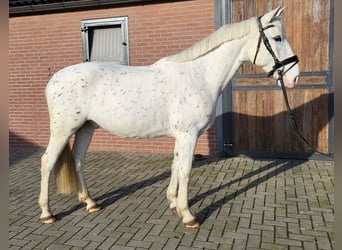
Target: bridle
{"type": "Point", "coordinates": [279, 66]}
{"type": "Point", "coordinates": [277, 63]}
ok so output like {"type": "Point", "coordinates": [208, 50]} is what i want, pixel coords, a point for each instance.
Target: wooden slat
{"type": "Point", "coordinates": [260, 120]}
{"type": "Point", "coordinates": [312, 80]}
{"type": "Point", "coordinates": [269, 81]}
{"type": "Point", "coordinates": [260, 81]}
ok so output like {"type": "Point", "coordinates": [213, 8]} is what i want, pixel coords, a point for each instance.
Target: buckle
{"type": "Point", "coordinates": [278, 64]}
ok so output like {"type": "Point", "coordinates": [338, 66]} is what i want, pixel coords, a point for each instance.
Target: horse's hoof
{"type": "Point", "coordinates": [191, 224]}
{"type": "Point", "coordinates": [47, 220]}
{"type": "Point", "coordinates": [94, 209]}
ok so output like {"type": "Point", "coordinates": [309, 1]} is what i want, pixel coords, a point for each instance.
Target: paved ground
{"type": "Point", "coordinates": [241, 204]}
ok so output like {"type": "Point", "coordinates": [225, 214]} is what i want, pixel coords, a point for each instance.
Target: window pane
{"type": "Point", "coordinates": [106, 45]}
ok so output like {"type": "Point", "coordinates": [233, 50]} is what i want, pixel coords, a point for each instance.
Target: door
{"type": "Point", "coordinates": [255, 122]}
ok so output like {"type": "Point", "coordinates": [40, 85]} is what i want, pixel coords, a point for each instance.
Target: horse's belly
{"type": "Point", "coordinates": [133, 124]}
{"type": "Point", "coordinates": [134, 131]}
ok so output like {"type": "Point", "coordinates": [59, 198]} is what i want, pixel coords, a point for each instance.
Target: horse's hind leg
{"type": "Point", "coordinates": [173, 186]}
{"type": "Point", "coordinates": [48, 161]}
{"type": "Point", "coordinates": [82, 140]}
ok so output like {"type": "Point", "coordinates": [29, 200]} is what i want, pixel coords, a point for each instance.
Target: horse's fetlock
{"type": "Point", "coordinates": [182, 212]}
{"type": "Point", "coordinates": [42, 204]}
{"type": "Point", "coordinates": [82, 197]}
{"type": "Point", "coordinates": [171, 197]}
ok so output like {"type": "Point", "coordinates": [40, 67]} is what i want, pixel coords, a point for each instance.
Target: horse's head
{"type": "Point", "coordinates": [271, 50]}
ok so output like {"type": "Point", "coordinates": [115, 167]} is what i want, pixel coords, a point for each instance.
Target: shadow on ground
{"type": "Point", "coordinates": [17, 154]}
{"type": "Point", "coordinates": [270, 170]}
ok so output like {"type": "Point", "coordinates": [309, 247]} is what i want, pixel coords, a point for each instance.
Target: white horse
{"type": "Point", "coordinates": [176, 96]}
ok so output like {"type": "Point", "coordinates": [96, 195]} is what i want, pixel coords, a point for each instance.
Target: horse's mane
{"type": "Point", "coordinates": [224, 34]}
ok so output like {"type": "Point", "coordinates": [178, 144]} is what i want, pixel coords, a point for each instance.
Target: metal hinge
{"type": "Point", "coordinates": [84, 28]}
{"type": "Point", "coordinates": [228, 145]}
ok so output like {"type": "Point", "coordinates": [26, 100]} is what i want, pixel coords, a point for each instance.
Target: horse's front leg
{"type": "Point", "coordinates": [184, 150]}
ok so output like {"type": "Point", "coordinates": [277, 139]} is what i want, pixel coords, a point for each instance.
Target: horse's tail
{"type": "Point", "coordinates": [65, 172]}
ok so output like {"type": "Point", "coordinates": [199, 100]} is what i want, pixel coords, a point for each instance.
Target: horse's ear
{"type": "Point", "coordinates": [280, 10]}
{"type": "Point", "coordinates": [268, 17]}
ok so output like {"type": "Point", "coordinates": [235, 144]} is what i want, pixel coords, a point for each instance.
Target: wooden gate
{"type": "Point", "coordinates": [254, 105]}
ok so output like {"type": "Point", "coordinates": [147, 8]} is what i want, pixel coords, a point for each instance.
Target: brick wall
{"type": "Point", "coordinates": [41, 45]}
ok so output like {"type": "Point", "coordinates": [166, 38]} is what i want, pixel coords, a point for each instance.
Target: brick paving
{"type": "Point", "coordinates": [241, 204]}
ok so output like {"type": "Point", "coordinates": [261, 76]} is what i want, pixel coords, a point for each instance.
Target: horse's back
{"type": "Point", "coordinates": [80, 81]}
{"type": "Point", "coordinates": [73, 76]}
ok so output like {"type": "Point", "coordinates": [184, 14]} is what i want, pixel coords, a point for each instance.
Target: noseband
{"type": "Point", "coordinates": [277, 64]}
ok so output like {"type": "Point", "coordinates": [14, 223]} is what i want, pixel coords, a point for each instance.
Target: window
{"type": "Point", "coordinates": [105, 39]}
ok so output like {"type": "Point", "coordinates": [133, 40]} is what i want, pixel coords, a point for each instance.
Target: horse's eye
{"type": "Point", "coordinates": [277, 38]}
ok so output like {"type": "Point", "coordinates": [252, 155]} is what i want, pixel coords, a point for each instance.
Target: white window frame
{"type": "Point", "coordinates": [101, 22]}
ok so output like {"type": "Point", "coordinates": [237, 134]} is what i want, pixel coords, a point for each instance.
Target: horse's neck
{"type": "Point", "coordinates": [221, 64]}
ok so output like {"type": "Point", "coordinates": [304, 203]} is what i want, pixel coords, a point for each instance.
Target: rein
{"type": "Point", "coordinates": [293, 122]}
{"type": "Point", "coordinates": [277, 65]}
